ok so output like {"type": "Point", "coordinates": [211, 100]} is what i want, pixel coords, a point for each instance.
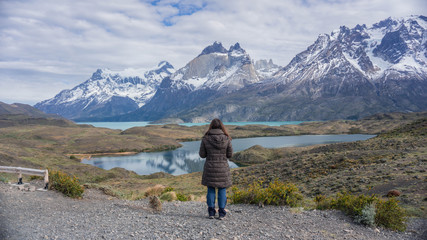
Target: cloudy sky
{"type": "Point", "coordinates": [50, 45]}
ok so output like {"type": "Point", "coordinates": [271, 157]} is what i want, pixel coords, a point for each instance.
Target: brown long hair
{"type": "Point", "coordinates": [217, 124]}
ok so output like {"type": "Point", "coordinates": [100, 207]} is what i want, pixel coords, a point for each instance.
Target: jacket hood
{"type": "Point", "coordinates": [217, 138]}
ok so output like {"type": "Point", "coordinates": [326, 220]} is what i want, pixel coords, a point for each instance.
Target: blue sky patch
{"type": "Point", "coordinates": [183, 10]}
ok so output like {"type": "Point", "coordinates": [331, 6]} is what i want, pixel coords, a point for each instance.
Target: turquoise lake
{"type": "Point", "coordinates": [126, 125]}
{"type": "Point", "coordinates": [186, 159]}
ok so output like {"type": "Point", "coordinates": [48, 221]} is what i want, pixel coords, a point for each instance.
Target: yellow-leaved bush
{"type": "Point", "coordinates": [68, 185]}
{"type": "Point", "coordinates": [369, 210]}
{"type": "Point", "coordinates": [276, 193]}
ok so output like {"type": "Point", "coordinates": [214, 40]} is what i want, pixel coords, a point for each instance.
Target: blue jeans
{"type": "Point", "coordinates": [222, 197]}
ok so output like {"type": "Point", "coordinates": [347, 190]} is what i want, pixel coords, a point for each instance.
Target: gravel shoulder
{"type": "Point", "coordinates": [50, 215]}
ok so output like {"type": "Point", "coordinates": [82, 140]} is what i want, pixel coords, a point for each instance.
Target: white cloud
{"type": "Point", "coordinates": [61, 41]}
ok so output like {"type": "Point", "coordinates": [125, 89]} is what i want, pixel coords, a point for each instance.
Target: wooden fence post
{"type": "Point", "coordinates": [46, 179]}
{"type": "Point", "coordinates": [20, 176]}
{"type": "Point", "coordinates": [27, 171]}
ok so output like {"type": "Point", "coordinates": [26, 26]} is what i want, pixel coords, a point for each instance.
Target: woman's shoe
{"type": "Point", "coordinates": [222, 214]}
{"type": "Point", "coordinates": [211, 212]}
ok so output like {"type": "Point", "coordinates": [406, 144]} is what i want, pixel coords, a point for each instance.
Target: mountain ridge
{"type": "Point", "coordinates": [339, 76]}
{"type": "Point", "coordinates": [213, 73]}
{"type": "Point", "coordinates": [347, 74]}
{"type": "Point", "coordinates": [107, 93]}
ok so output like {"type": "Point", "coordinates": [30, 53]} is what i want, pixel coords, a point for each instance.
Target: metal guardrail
{"type": "Point", "coordinates": [27, 171]}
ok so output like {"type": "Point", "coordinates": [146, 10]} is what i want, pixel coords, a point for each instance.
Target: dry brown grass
{"type": "Point", "coordinates": [315, 168]}
{"type": "Point", "coordinates": [395, 160]}
{"type": "Point", "coordinates": [154, 191]}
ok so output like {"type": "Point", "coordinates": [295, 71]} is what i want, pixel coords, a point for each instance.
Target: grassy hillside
{"type": "Point", "coordinates": [394, 159]}
{"type": "Point", "coordinates": [24, 109]}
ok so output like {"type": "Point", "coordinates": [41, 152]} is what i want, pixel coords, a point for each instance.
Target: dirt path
{"type": "Point", "coordinates": [50, 215]}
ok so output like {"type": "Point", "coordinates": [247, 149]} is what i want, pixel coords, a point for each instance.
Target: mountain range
{"type": "Point", "coordinates": [348, 74]}
{"type": "Point", "coordinates": [108, 93]}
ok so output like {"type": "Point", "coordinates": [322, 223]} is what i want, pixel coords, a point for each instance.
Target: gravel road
{"type": "Point", "coordinates": [50, 215]}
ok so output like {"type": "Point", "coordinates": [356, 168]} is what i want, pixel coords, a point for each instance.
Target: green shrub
{"type": "Point", "coordinates": [68, 185]}
{"type": "Point", "coordinates": [168, 196]}
{"type": "Point", "coordinates": [276, 193]}
{"type": "Point", "coordinates": [368, 210]}
{"type": "Point", "coordinates": [167, 189]}
{"type": "Point", "coordinates": [322, 202]}
{"type": "Point", "coordinates": [181, 197]}
{"type": "Point", "coordinates": [3, 179]}
{"type": "Point", "coordinates": [352, 204]}
{"type": "Point", "coordinates": [390, 215]}
{"type": "Point", "coordinates": [367, 216]}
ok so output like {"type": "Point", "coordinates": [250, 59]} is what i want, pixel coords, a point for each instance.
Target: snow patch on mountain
{"type": "Point", "coordinates": [266, 69]}
{"type": "Point", "coordinates": [127, 89]}
{"type": "Point", "coordinates": [216, 69]}
{"type": "Point", "coordinates": [137, 84]}
{"type": "Point", "coordinates": [391, 45]}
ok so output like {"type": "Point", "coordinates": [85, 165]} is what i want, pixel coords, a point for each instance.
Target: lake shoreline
{"type": "Point", "coordinates": [88, 156]}
{"type": "Point", "coordinates": [126, 125]}
{"type": "Point", "coordinates": [186, 159]}
{"type": "Point", "coordinates": [397, 151]}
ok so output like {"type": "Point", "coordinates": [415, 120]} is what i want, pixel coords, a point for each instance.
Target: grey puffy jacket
{"type": "Point", "coordinates": [216, 148]}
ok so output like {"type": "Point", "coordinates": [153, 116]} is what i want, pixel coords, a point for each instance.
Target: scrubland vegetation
{"type": "Point", "coordinates": [353, 177]}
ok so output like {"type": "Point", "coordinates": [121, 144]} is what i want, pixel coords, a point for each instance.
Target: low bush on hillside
{"type": "Point", "coordinates": [3, 178]}
{"type": "Point", "coordinates": [182, 197]}
{"type": "Point", "coordinates": [169, 196]}
{"type": "Point", "coordinates": [276, 193]}
{"type": "Point", "coordinates": [390, 215]}
{"type": "Point", "coordinates": [367, 210]}
{"type": "Point", "coordinates": [157, 190]}
{"type": "Point", "coordinates": [166, 193]}
{"type": "Point", "coordinates": [68, 185]}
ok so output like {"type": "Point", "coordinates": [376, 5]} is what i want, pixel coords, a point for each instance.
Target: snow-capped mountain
{"type": "Point", "coordinates": [266, 69]}
{"type": "Point", "coordinates": [390, 46]}
{"type": "Point", "coordinates": [349, 73]}
{"type": "Point", "coordinates": [217, 69]}
{"type": "Point", "coordinates": [214, 73]}
{"type": "Point", "coordinates": [108, 93]}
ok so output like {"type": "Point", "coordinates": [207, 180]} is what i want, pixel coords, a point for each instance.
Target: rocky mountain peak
{"type": "Point", "coordinates": [385, 23]}
{"type": "Point", "coordinates": [236, 47]}
{"type": "Point", "coordinates": [403, 37]}
{"type": "Point", "coordinates": [266, 68]}
{"type": "Point", "coordinates": [263, 63]}
{"type": "Point", "coordinates": [164, 67]}
{"type": "Point", "coordinates": [216, 47]}
{"type": "Point", "coordinates": [360, 27]}
{"type": "Point", "coordinates": [97, 74]}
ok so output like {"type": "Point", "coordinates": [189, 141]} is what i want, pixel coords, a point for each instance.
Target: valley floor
{"type": "Point", "coordinates": [50, 215]}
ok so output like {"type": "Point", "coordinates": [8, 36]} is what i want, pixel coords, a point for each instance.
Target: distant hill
{"type": "Point", "coordinates": [25, 109]}
{"type": "Point", "coordinates": [24, 114]}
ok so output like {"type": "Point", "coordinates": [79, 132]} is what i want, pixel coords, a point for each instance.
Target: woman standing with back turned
{"type": "Point", "coordinates": [216, 148]}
